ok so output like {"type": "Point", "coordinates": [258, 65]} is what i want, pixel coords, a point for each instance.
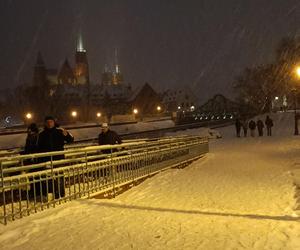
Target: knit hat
{"type": "Point", "coordinates": [33, 127]}
{"type": "Point", "coordinates": [49, 117]}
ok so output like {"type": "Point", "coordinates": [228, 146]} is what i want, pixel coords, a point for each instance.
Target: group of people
{"type": "Point", "coordinates": [252, 126]}
{"type": "Point", "coordinates": [53, 138]}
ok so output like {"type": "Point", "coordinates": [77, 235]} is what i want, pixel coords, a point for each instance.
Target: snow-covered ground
{"type": "Point", "coordinates": [240, 196]}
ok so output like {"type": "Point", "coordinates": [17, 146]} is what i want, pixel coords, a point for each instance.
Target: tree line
{"type": "Point", "coordinates": [258, 86]}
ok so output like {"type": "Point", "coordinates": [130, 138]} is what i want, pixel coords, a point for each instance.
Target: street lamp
{"type": "Point", "coordinates": [74, 114]}
{"type": "Point", "coordinates": [158, 108]}
{"type": "Point", "coordinates": [28, 116]}
{"type": "Point", "coordinates": [295, 102]}
{"type": "Point", "coordinates": [135, 111]}
{"type": "Point", "coordinates": [98, 114]}
{"type": "Point", "coordinates": [298, 71]}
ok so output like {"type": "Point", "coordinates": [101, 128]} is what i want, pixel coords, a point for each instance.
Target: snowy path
{"type": "Point", "coordinates": [240, 196]}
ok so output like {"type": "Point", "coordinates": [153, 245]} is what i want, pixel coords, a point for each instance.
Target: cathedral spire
{"type": "Point", "coordinates": [117, 67]}
{"type": "Point", "coordinates": [79, 47]}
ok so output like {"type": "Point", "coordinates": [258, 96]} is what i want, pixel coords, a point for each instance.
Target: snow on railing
{"type": "Point", "coordinates": [32, 183]}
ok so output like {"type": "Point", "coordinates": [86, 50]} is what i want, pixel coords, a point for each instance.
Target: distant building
{"type": "Point", "coordinates": [66, 74]}
{"type": "Point", "coordinates": [146, 100]}
{"type": "Point", "coordinates": [69, 87]}
{"type": "Point", "coordinates": [179, 99]}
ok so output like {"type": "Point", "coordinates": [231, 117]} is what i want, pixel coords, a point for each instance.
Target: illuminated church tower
{"type": "Point", "coordinates": [112, 77]}
{"type": "Point", "coordinates": [117, 77]}
{"type": "Point", "coordinates": [81, 63]}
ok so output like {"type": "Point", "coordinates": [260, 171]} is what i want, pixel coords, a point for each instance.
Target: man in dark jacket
{"type": "Point", "coordinates": [53, 138]}
{"type": "Point", "coordinates": [269, 125]}
{"type": "Point", "coordinates": [238, 126]}
{"type": "Point", "coordinates": [108, 137]}
{"type": "Point", "coordinates": [260, 127]}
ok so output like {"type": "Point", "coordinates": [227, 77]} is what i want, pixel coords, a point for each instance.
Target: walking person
{"type": "Point", "coordinates": [238, 126]}
{"type": "Point", "coordinates": [245, 127]}
{"type": "Point", "coordinates": [252, 127]}
{"type": "Point", "coordinates": [53, 138]}
{"type": "Point", "coordinates": [260, 127]}
{"type": "Point", "coordinates": [269, 125]}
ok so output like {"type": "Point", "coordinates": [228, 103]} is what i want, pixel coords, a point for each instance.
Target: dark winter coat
{"type": "Point", "coordinates": [252, 125]}
{"type": "Point", "coordinates": [53, 140]}
{"type": "Point", "coordinates": [238, 124]}
{"type": "Point", "coordinates": [109, 138]}
{"type": "Point", "coordinates": [269, 122]}
{"type": "Point", "coordinates": [260, 125]}
{"type": "Point", "coordinates": [31, 145]}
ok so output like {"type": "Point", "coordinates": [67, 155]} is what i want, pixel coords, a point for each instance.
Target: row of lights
{"type": "Point", "coordinates": [213, 117]}
{"type": "Point", "coordinates": [192, 108]}
{"type": "Point", "coordinates": [74, 113]}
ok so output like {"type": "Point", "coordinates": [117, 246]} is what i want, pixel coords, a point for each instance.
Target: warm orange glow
{"type": "Point", "coordinates": [28, 116]}
{"type": "Point", "coordinates": [298, 71]}
{"type": "Point", "coordinates": [74, 113]}
{"type": "Point", "coordinates": [158, 108]}
{"type": "Point", "coordinates": [135, 111]}
{"type": "Point", "coordinates": [98, 114]}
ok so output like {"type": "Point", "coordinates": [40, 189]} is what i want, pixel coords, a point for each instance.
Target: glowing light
{"type": "Point", "coordinates": [98, 114]}
{"type": "Point", "coordinates": [298, 71]}
{"type": "Point", "coordinates": [80, 47]}
{"type": "Point", "coordinates": [192, 108]}
{"type": "Point", "coordinates": [28, 116]}
{"type": "Point", "coordinates": [179, 107]}
{"type": "Point", "coordinates": [158, 108]}
{"type": "Point", "coordinates": [276, 97]}
{"type": "Point", "coordinates": [74, 113]}
{"type": "Point", "coordinates": [135, 111]}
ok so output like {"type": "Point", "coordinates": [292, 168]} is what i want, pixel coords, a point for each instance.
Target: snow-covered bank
{"type": "Point", "coordinates": [240, 196]}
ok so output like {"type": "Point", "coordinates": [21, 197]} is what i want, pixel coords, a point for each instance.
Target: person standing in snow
{"type": "Point", "coordinates": [238, 126]}
{"type": "Point", "coordinates": [245, 127]}
{"type": "Point", "coordinates": [31, 139]}
{"type": "Point", "coordinates": [260, 127]}
{"type": "Point", "coordinates": [53, 138]}
{"type": "Point", "coordinates": [108, 137]}
{"type": "Point", "coordinates": [252, 127]}
{"type": "Point", "coordinates": [269, 125]}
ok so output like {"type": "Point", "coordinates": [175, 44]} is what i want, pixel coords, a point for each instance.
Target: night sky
{"type": "Point", "coordinates": [202, 44]}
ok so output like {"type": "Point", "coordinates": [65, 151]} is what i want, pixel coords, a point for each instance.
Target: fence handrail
{"type": "Point", "coordinates": [84, 149]}
{"type": "Point", "coordinates": [32, 188]}
{"type": "Point", "coordinates": [104, 157]}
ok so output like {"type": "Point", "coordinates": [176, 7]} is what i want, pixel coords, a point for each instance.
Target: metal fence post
{"type": "Point", "coordinates": [3, 194]}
